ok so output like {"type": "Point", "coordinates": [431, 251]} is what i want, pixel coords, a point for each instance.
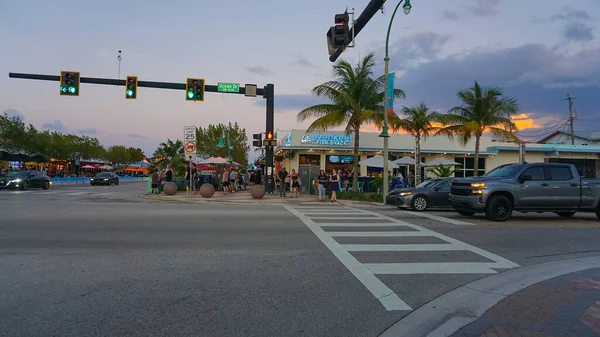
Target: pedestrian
{"type": "Point", "coordinates": [334, 185]}
{"type": "Point", "coordinates": [155, 180]}
{"type": "Point", "coordinates": [322, 182]}
{"type": "Point", "coordinates": [282, 176]}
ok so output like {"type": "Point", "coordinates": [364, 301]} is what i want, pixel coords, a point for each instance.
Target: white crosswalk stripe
{"type": "Point", "coordinates": [337, 216]}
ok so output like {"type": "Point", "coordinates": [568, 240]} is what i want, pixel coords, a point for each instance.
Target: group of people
{"type": "Point", "coordinates": [160, 178]}
{"type": "Point", "coordinates": [286, 181]}
{"type": "Point", "coordinates": [331, 182]}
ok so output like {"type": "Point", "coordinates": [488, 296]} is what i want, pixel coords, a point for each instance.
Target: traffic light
{"type": "Point", "coordinates": [131, 83]}
{"type": "Point", "coordinates": [269, 139]}
{"type": "Point", "coordinates": [69, 83]}
{"type": "Point", "coordinates": [340, 31]}
{"type": "Point", "coordinates": [194, 89]}
{"type": "Point", "coordinates": [257, 139]}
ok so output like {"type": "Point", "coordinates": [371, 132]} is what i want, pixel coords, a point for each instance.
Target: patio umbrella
{"type": "Point", "coordinates": [88, 167]}
{"type": "Point", "coordinates": [214, 161]}
{"type": "Point", "coordinates": [406, 160]}
{"type": "Point", "coordinates": [377, 161]}
{"type": "Point", "coordinates": [106, 167]}
{"type": "Point", "coordinates": [442, 161]}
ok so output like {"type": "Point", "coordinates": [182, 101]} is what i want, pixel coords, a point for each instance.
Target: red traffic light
{"type": "Point", "coordinates": [341, 19]}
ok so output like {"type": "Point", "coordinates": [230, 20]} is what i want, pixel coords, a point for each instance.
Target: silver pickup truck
{"type": "Point", "coordinates": [527, 187]}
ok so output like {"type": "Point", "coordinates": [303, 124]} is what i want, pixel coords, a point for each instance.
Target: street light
{"type": "Point", "coordinates": [384, 131]}
{"type": "Point", "coordinates": [221, 144]}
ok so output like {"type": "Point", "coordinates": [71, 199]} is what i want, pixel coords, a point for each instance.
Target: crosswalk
{"type": "Point", "coordinates": [334, 223]}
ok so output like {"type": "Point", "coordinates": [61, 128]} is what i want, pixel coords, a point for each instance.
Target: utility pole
{"type": "Point", "coordinates": [572, 115]}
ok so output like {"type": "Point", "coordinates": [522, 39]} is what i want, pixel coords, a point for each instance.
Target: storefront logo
{"type": "Point", "coordinates": [327, 139]}
{"type": "Point", "coordinates": [288, 140]}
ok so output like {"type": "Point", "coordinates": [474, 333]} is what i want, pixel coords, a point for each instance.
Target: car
{"type": "Point", "coordinates": [432, 193]}
{"type": "Point", "coordinates": [105, 178]}
{"type": "Point", "coordinates": [526, 187]}
{"type": "Point", "coordinates": [25, 179]}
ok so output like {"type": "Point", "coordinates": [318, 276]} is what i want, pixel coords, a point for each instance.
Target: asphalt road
{"type": "Point", "coordinates": [107, 263]}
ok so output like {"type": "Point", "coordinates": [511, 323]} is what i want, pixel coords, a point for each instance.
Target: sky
{"type": "Point", "coordinates": [536, 51]}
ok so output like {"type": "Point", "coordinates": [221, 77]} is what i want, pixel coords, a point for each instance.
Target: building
{"type": "Point", "coordinates": [579, 138]}
{"type": "Point", "coordinates": [307, 153]}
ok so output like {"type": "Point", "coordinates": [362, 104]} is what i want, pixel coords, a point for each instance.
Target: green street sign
{"type": "Point", "coordinates": [228, 87]}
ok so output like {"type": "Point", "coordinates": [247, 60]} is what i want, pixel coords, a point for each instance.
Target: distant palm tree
{"type": "Point", "coordinates": [420, 122]}
{"type": "Point", "coordinates": [356, 99]}
{"type": "Point", "coordinates": [482, 110]}
{"type": "Point", "coordinates": [171, 152]}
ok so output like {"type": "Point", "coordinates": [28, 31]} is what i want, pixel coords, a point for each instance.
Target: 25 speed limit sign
{"type": "Point", "coordinates": [189, 133]}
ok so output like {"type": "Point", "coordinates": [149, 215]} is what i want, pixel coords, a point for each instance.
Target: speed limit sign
{"type": "Point", "coordinates": [189, 133]}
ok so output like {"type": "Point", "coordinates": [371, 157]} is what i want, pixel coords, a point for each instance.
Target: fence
{"type": "Point", "coordinates": [86, 180]}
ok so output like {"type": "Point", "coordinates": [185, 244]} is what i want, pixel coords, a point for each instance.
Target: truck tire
{"type": "Point", "coordinates": [565, 214]}
{"type": "Point", "coordinates": [598, 212]}
{"type": "Point", "coordinates": [498, 208]}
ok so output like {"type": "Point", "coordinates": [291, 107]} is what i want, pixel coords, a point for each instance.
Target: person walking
{"type": "Point", "coordinates": [334, 185]}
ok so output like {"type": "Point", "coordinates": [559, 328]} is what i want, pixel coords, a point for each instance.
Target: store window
{"type": "Point", "coordinates": [339, 162]}
{"type": "Point", "coordinates": [467, 168]}
{"type": "Point", "coordinates": [310, 159]}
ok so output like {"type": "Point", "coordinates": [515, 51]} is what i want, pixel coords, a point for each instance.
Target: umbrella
{"type": "Point", "coordinates": [88, 167]}
{"type": "Point", "coordinates": [377, 161]}
{"type": "Point", "coordinates": [106, 167]}
{"type": "Point", "coordinates": [214, 161]}
{"type": "Point", "coordinates": [442, 161]}
{"type": "Point", "coordinates": [406, 160]}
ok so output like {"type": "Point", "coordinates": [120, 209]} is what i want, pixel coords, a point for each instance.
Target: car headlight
{"type": "Point", "coordinates": [405, 193]}
{"type": "Point", "coordinates": [478, 185]}
{"type": "Point", "coordinates": [18, 180]}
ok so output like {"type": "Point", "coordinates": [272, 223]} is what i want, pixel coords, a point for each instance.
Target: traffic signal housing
{"type": "Point", "coordinates": [69, 83]}
{"type": "Point", "coordinates": [338, 36]}
{"type": "Point", "coordinates": [194, 89]}
{"type": "Point", "coordinates": [257, 139]}
{"type": "Point", "coordinates": [269, 139]}
{"type": "Point", "coordinates": [131, 86]}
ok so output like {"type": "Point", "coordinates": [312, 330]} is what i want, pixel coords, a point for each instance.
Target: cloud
{"type": "Point", "coordinates": [90, 131]}
{"type": "Point", "coordinates": [295, 102]}
{"type": "Point", "coordinates": [570, 15]}
{"type": "Point", "coordinates": [449, 15]}
{"type": "Point", "coordinates": [56, 125]}
{"type": "Point", "coordinates": [15, 113]}
{"type": "Point", "coordinates": [484, 7]}
{"type": "Point", "coordinates": [302, 61]}
{"type": "Point", "coordinates": [417, 48]}
{"type": "Point", "coordinates": [578, 31]}
{"type": "Point", "coordinates": [259, 70]}
{"type": "Point", "coordinates": [135, 136]}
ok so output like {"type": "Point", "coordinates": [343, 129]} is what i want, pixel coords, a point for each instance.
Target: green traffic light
{"type": "Point", "coordinates": [190, 94]}
{"type": "Point", "coordinates": [72, 90]}
{"type": "Point", "coordinates": [129, 92]}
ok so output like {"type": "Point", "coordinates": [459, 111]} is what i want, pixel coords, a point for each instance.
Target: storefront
{"type": "Point", "coordinates": [307, 153]}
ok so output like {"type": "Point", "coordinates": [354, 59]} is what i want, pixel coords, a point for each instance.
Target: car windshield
{"type": "Point", "coordinates": [103, 175]}
{"type": "Point", "coordinates": [19, 174]}
{"type": "Point", "coordinates": [505, 171]}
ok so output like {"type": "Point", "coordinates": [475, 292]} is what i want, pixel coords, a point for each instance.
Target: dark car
{"type": "Point", "coordinates": [24, 180]}
{"type": "Point", "coordinates": [105, 178]}
{"type": "Point", "coordinates": [432, 193]}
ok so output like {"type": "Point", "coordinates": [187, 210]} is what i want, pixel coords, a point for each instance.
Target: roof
{"type": "Point", "coordinates": [587, 135]}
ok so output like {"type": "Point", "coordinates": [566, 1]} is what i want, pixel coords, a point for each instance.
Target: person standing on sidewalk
{"type": "Point", "coordinates": [232, 180]}
{"type": "Point", "coordinates": [155, 181]}
{"type": "Point", "coordinates": [225, 181]}
{"type": "Point", "coordinates": [282, 175]}
{"type": "Point", "coordinates": [321, 187]}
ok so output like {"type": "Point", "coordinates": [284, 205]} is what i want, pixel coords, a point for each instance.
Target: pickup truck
{"type": "Point", "coordinates": [526, 187]}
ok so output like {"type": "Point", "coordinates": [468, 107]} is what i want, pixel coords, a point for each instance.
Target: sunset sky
{"type": "Point", "coordinates": [536, 50]}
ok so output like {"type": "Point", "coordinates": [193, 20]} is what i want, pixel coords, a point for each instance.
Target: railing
{"type": "Point", "coordinates": [86, 180]}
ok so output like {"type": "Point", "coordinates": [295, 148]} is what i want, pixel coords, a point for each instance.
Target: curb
{"type": "Point", "coordinates": [448, 313]}
{"type": "Point", "coordinates": [267, 201]}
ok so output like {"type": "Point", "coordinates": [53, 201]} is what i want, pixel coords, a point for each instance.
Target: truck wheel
{"type": "Point", "coordinates": [465, 213]}
{"type": "Point", "coordinates": [598, 213]}
{"type": "Point", "coordinates": [498, 208]}
{"type": "Point", "coordinates": [565, 214]}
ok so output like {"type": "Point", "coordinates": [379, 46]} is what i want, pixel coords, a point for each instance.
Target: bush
{"type": "Point", "coordinates": [372, 197]}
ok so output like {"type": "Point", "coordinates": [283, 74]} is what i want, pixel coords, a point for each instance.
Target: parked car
{"type": "Point", "coordinates": [527, 187]}
{"type": "Point", "coordinates": [105, 178]}
{"type": "Point", "coordinates": [432, 193]}
{"type": "Point", "coordinates": [24, 180]}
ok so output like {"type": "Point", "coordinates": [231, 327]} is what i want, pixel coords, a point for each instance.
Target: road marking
{"type": "Point", "coordinates": [365, 272]}
{"type": "Point", "coordinates": [442, 219]}
{"type": "Point", "coordinates": [77, 193]}
{"type": "Point", "coordinates": [385, 295]}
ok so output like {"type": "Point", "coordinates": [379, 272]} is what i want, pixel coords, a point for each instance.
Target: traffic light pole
{"type": "Point", "coordinates": [359, 24]}
{"type": "Point", "coordinates": [268, 92]}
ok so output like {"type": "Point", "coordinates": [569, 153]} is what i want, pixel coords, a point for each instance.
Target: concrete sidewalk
{"type": "Point", "coordinates": [243, 197]}
{"type": "Point", "coordinates": [552, 299]}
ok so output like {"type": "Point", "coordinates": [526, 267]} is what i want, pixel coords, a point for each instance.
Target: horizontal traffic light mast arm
{"type": "Point", "coordinates": [359, 24]}
{"type": "Point", "coordinates": [146, 84]}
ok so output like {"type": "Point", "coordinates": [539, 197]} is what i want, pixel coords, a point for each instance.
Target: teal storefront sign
{"type": "Point", "coordinates": [334, 140]}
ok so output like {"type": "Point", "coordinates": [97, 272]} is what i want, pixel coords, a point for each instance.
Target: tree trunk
{"type": "Point", "coordinates": [356, 160]}
{"type": "Point", "coordinates": [417, 159]}
{"type": "Point", "coordinates": [476, 163]}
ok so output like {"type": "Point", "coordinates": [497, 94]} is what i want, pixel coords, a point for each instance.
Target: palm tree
{"type": "Point", "coordinates": [171, 152]}
{"type": "Point", "coordinates": [482, 110]}
{"type": "Point", "coordinates": [356, 98]}
{"type": "Point", "coordinates": [420, 122]}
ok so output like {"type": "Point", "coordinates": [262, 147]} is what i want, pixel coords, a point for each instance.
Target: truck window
{"type": "Point", "coordinates": [505, 171]}
{"type": "Point", "coordinates": [560, 173]}
{"type": "Point", "coordinates": [536, 173]}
